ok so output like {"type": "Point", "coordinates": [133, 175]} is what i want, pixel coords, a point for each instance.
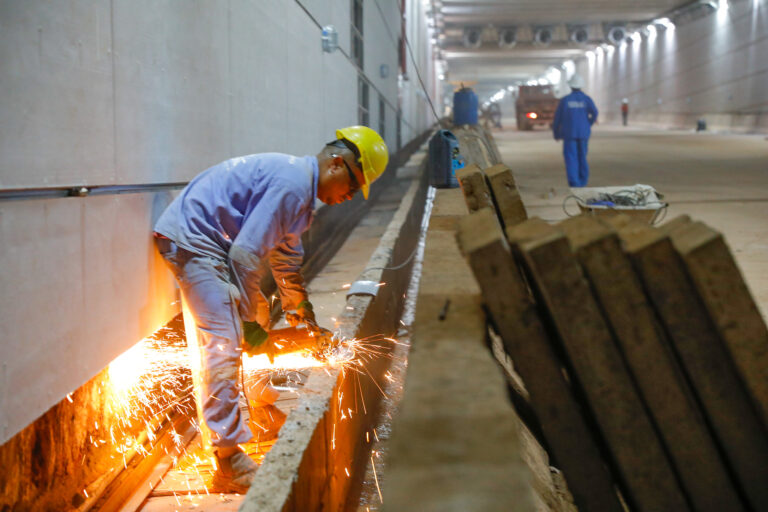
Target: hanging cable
{"type": "Point", "coordinates": [418, 75]}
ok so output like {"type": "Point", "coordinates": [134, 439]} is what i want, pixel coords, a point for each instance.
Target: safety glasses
{"type": "Point", "coordinates": [354, 185]}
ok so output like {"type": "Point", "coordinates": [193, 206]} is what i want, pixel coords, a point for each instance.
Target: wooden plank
{"type": "Point", "coordinates": [599, 369]}
{"type": "Point", "coordinates": [505, 195]}
{"type": "Point", "coordinates": [514, 314]}
{"type": "Point", "coordinates": [476, 192]}
{"type": "Point", "coordinates": [704, 358]}
{"type": "Point", "coordinates": [730, 305]}
{"type": "Point", "coordinates": [661, 382]}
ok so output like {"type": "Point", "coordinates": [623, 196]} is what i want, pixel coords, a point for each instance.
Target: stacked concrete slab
{"type": "Point", "coordinates": [641, 349]}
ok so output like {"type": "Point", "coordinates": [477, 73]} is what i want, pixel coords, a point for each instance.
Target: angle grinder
{"type": "Point", "coordinates": [320, 342]}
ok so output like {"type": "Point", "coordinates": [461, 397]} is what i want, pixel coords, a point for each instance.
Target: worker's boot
{"type": "Point", "coordinates": [234, 474]}
{"type": "Point", "coordinates": [266, 422]}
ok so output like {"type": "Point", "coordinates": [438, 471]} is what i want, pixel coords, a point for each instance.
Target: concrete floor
{"type": "Point", "coordinates": [719, 179]}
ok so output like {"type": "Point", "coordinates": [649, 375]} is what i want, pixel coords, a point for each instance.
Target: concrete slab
{"type": "Point", "coordinates": [721, 286]}
{"type": "Point", "coordinates": [505, 195]}
{"type": "Point", "coordinates": [515, 316]}
{"type": "Point", "coordinates": [723, 399]}
{"type": "Point", "coordinates": [600, 371]}
{"type": "Point", "coordinates": [476, 192]}
{"type": "Point", "coordinates": [663, 386]}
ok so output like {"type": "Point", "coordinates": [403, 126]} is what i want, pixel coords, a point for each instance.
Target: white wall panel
{"type": "Point", "coordinates": [172, 96]}
{"type": "Point", "coordinates": [80, 284]}
{"type": "Point", "coordinates": [56, 101]}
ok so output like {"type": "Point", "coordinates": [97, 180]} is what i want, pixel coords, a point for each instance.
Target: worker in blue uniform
{"type": "Point", "coordinates": [231, 224]}
{"type": "Point", "coordinates": [575, 115]}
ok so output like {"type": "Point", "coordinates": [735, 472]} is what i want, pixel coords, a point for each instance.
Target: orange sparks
{"type": "Point", "coordinates": [376, 478]}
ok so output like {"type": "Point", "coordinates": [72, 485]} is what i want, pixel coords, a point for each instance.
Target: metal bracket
{"type": "Point", "coordinates": [364, 288]}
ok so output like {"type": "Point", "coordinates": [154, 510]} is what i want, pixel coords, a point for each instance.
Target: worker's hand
{"type": "Point", "coordinates": [254, 338]}
{"type": "Point", "coordinates": [304, 314]}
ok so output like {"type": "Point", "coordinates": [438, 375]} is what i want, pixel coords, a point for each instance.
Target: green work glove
{"type": "Point", "coordinates": [304, 314]}
{"type": "Point", "coordinates": [254, 338]}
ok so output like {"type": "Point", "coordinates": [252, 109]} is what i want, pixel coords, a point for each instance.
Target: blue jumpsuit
{"type": "Point", "coordinates": [231, 224]}
{"type": "Point", "coordinates": [575, 115]}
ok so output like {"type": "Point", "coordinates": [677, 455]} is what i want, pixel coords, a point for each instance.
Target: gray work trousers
{"type": "Point", "coordinates": [207, 290]}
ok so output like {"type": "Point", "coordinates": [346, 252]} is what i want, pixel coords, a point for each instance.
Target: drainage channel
{"type": "Point", "coordinates": [323, 428]}
{"type": "Point", "coordinates": [368, 496]}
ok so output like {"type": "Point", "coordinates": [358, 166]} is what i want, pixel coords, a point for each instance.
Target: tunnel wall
{"type": "Point", "coordinates": [141, 92]}
{"type": "Point", "coordinates": [713, 68]}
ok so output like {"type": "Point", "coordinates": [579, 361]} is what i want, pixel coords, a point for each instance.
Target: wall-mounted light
{"type": "Point", "coordinates": [650, 32]}
{"type": "Point", "coordinates": [507, 37]}
{"type": "Point", "coordinates": [569, 68]}
{"type": "Point", "coordinates": [664, 22]}
{"type": "Point", "coordinates": [553, 75]}
{"type": "Point", "coordinates": [722, 10]}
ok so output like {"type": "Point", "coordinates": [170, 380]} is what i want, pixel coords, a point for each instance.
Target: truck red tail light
{"type": "Point", "coordinates": [531, 115]}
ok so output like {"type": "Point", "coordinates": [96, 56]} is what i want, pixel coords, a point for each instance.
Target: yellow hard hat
{"type": "Point", "coordinates": [372, 152]}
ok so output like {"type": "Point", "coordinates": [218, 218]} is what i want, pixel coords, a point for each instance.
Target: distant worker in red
{"type": "Point", "coordinates": [575, 115]}
{"type": "Point", "coordinates": [624, 111]}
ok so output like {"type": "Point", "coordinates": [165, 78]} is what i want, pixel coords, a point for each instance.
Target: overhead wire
{"type": "Point", "coordinates": [418, 74]}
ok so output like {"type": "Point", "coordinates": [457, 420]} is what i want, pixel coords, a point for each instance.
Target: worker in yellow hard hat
{"type": "Point", "coordinates": [231, 224]}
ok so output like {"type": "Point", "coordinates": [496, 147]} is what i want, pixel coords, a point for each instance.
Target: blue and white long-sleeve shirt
{"type": "Point", "coordinates": [246, 211]}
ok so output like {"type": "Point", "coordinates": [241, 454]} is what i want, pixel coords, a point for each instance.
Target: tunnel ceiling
{"type": "Point", "coordinates": [468, 33]}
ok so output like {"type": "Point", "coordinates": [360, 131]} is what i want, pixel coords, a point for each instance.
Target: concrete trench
{"type": "Point", "coordinates": [321, 452]}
